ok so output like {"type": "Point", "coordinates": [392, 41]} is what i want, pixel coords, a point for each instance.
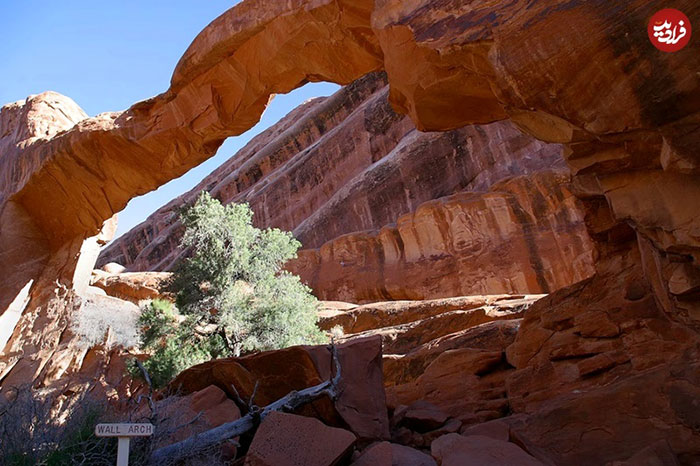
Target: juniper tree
{"type": "Point", "coordinates": [232, 294]}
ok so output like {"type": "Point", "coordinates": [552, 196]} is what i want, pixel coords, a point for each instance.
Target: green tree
{"type": "Point", "coordinates": [231, 293]}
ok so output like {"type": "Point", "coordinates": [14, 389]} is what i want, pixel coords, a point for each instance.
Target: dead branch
{"type": "Point", "coordinates": [251, 401]}
{"type": "Point", "coordinates": [289, 402]}
{"type": "Point", "coordinates": [190, 422]}
{"type": "Point", "coordinates": [149, 397]}
{"type": "Point", "coordinates": [239, 401]}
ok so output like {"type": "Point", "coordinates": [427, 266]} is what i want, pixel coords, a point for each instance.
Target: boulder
{"type": "Point", "coordinates": [361, 405]}
{"type": "Point", "coordinates": [276, 373]}
{"type": "Point", "coordinates": [422, 417]}
{"type": "Point", "coordinates": [113, 268]}
{"type": "Point", "coordinates": [476, 450]}
{"type": "Point", "coordinates": [656, 454]}
{"type": "Point", "coordinates": [495, 429]}
{"type": "Point", "coordinates": [392, 454]}
{"type": "Point", "coordinates": [291, 440]}
{"type": "Point", "coordinates": [131, 286]}
{"type": "Point", "coordinates": [362, 401]}
{"type": "Point", "coordinates": [451, 426]}
{"type": "Point", "coordinates": [193, 414]}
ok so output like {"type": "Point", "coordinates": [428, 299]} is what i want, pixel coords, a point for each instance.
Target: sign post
{"type": "Point", "coordinates": [123, 432]}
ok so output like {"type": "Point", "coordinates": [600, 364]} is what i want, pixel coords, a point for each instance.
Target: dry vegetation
{"type": "Point", "coordinates": [37, 429]}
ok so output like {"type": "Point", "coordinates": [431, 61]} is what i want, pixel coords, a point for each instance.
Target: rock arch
{"type": "Point", "coordinates": [577, 72]}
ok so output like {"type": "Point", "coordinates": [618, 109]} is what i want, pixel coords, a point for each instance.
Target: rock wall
{"type": "Point", "coordinates": [339, 165]}
{"type": "Point", "coordinates": [626, 114]}
{"type": "Point", "coordinates": [525, 235]}
{"type": "Point", "coordinates": [594, 373]}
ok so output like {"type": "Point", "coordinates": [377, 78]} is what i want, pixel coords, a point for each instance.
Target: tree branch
{"type": "Point", "coordinates": [239, 401]}
{"type": "Point", "coordinates": [149, 397]}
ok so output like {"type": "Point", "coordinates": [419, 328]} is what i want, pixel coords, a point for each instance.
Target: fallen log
{"type": "Point", "coordinates": [290, 402]}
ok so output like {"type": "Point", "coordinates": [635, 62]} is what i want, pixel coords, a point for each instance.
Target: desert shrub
{"type": "Point", "coordinates": [107, 321]}
{"type": "Point", "coordinates": [35, 430]}
{"type": "Point", "coordinates": [337, 332]}
{"type": "Point", "coordinates": [231, 293]}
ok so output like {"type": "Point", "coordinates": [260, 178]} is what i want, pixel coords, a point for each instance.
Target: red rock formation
{"type": "Point", "coordinates": [489, 47]}
{"type": "Point", "coordinates": [526, 235]}
{"type": "Point", "coordinates": [219, 89]}
{"type": "Point", "coordinates": [402, 338]}
{"type": "Point", "coordinates": [593, 373]}
{"type": "Point", "coordinates": [448, 352]}
{"type": "Point", "coordinates": [627, 113]}
{"type": "Point", "coordinates": [476, 450]}
{"type": "Point", "coordinates": [298, 441]}
{"type": "Point", "coordinates": [400, 369]}
{"type": "Point", "coordinates": [196, 413]}
{"type": "Point", "coordinates": [339, 165]}
{"type": "Point", "coordinates": [390, 454]}
{"type": "Point", "coordinates": [361, 405]}
{"type": "Point", "coordinates": [604, 342]}
{"type": "Point", "coordinates": [353, 319]}
{"type": "Point", "coordinates": [131, 286]}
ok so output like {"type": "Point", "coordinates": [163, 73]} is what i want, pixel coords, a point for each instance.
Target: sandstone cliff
{"type": "Point", "coordinates": [343, 164]}
{"type": "Point", "coordinates": [525, 235]}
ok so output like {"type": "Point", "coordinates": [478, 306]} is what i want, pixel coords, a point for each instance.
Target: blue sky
{"type": "Point", "coordinates": [107, 56]}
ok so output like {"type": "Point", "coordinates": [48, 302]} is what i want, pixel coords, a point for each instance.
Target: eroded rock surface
{"type": "Point", "coordinates": [131, 286]}
{"type": "Point", "coordinates": [594, 373]}
{"type": "Point", "coordinates": [390, 454]}
{"type": "Point", "coordinates": [196, 413]}
{"type": "Point", "coordinates": [449, 353]}
{"type": "Point", "coordinates": [457, 450]}
{"type": "Point", "coordinates": [525, 235]}
{"type": "Point", "coordinates": [645, 120]}
{"type": "Point", "coordinates": [298, 441]}
{"type": "Point", "coordinates": [344, 164]}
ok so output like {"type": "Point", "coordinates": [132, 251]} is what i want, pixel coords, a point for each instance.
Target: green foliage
{"type": "Point", "coordinates": [232, 293]}
{"type": "Point", "coordinates": [173, 344]}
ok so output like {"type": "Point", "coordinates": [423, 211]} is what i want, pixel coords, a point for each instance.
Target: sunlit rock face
{"type": "Point", "coordinates": [577, 73]}
{"type": "Point", "coordinates": [524, 235]}
{"type": "Point", "coordinates": [384, 211]}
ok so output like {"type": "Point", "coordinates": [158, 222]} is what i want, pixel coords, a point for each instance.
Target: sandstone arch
{"type": "Point", "coordinates": [576, 72]}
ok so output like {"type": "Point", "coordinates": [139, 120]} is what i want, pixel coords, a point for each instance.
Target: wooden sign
{"type": "Point", "coordinates": [123, 432]}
